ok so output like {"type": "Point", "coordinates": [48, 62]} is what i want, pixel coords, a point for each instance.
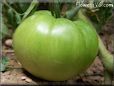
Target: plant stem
{"type": "Point", "coordinates": [5, 2]}
{"type": "Point", "coordinates": [106, 56]}
{"type": "Point", "coordinates": [55, 8]}
{"type": "Point", "coordinates": [32, 5]}
{"type": "Point", "coordinates": [107, 59]}
{"type": "Point", "coordinates": [51, 9]}
{"type": "Point", "coordinates": [71, 13]}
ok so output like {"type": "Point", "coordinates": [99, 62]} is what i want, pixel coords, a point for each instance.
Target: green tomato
{"type": "Point", "coordinates": [54, 49]}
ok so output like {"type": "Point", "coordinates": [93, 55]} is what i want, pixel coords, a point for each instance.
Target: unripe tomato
{"type": "Point", "coordinates": [54, 49]}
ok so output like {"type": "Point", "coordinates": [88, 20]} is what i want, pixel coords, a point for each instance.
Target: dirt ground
{"type": "Point", "coordinates": [94, 75]}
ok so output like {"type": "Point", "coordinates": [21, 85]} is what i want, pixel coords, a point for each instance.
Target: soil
{"type": "Point", "coordinates": [94, 75]}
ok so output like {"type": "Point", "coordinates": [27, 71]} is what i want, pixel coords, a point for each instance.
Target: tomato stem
{"type": "Point", "coordinates": [107, 59]}
{"type": "Point", "coordinates": [5, 3]}
{"type": "Point", "coordinates": [71, 13]}
{"type": "Point", "coordinates": [55, 8]}
{"type": "Point", "coordinates": [32, 5]}
{"type": "Point", "coordinates": [105, 56]}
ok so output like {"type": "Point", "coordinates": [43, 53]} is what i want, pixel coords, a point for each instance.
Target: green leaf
{"type": "Point", "coordinates": [4, 31]}
{"type": "Point", "coordinates": [72, 13]}
{"type": "Point", "coordinates": [18, 18]}
{"type": "Point", "coordinates": [4, 60]}
{"type": "Point", "coordinates": [3, 63]}
{"type": "Point", "coordinates": [24, 6]}
{"type": "Point", "coordinates": [99, 18]}
{"type": "Point", "coordinates": [2, 67]}
{"type": "Point", "coordinates": [11, 17]}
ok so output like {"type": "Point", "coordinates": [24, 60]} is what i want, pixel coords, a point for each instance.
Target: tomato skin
{"type": "Point", "coordinates": [54, 49]}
